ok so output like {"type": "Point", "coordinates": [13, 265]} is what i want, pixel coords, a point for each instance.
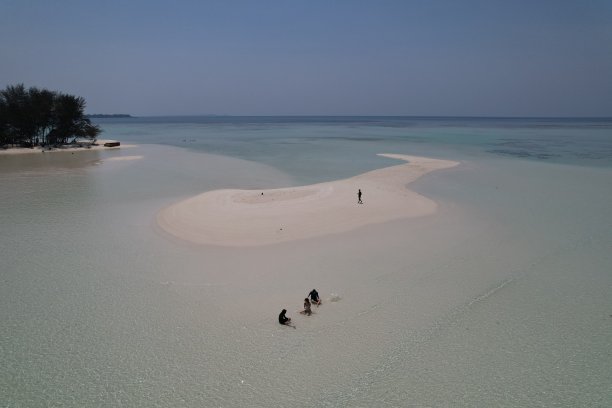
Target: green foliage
{"type": "Point", "coordinates": [35, 116]}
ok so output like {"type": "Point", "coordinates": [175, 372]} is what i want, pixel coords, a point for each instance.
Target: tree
{"type": "Point", "coordinates": [41, 112]}
{"type": "Point", "coordinates": [4, 138]}
{"type": "Point", "coordinates": [18, 128]}
{"type": "Point", "coordinates": [39, 116]}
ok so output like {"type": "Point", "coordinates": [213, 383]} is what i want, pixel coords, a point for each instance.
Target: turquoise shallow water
{"type": "Point", "coordinates": [317, 148]}
{"type": "Point", "coordinates": [501, 299]}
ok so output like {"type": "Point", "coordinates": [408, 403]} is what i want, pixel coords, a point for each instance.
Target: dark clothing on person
{"type": "Point", "coordinates": [359, 197]}
{"type": "Point", "coordinates": [314, 296]}
{"type": "Point", "coordinates": [282, 319]}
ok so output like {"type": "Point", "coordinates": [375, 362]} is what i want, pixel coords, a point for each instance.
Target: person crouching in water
{"type": "Point", "coordinates": [306, 310]}
{"type": "Point", "coordinates": [282, 319]}
{"type": "Point", "coordinates": [314, 297]}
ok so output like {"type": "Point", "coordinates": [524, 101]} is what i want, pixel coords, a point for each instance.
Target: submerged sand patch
{"type": "Point", "coordinates": [250, 218]}
{"type": "Point", "coordinates": [124, 158]}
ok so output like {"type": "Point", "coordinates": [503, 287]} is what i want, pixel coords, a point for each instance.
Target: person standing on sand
{"type": "Point", "coordinates": [359, 197]}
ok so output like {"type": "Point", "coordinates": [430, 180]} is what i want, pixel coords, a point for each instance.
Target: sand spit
{"type": "Point", "coordinates": [250, 218]}
{"type": "Point", "coordinates": [65, 148]}
{"type": "Point", "coordinates": [124, 158]}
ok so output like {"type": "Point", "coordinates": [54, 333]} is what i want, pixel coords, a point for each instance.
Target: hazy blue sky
{"type": "Point", "coordinates": [509, 58]}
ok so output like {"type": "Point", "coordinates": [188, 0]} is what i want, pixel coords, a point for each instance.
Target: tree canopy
{"type": "Point", "coordinates": [34, 116]}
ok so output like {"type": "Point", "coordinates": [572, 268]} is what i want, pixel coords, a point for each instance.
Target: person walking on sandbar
{"type": "Point", "coordinates": [359, 197]}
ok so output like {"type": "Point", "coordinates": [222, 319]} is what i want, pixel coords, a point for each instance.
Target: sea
{"type": "Point", "coordinates": [503, 298]}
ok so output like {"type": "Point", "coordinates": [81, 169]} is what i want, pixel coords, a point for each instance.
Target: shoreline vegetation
{"type": "Point", "coordinates": [247, 218]}
{"type": "Point", "coordinates": [36, 117]}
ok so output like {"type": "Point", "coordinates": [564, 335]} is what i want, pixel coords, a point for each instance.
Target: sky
{"type": "Point", "coordinates": [310, 57]}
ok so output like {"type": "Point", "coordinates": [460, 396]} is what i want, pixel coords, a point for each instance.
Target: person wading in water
{"type": "Point", "coordinates": [314, 297]}
{"type": "Point", "coordinates": [307, 311]}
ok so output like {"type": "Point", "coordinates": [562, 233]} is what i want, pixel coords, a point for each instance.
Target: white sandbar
{"type": "Point", "coordinates": [248, 218]}
{"type": "Point", "coordinates": [124, 158]}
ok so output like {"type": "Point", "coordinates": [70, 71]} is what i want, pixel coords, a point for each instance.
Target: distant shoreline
{"type": "Point", "coordinates": [432, 117]}
{"type": "Point", "coordinates": [111, 115]}
{"type": "Point", "coordinates": [76, 147]}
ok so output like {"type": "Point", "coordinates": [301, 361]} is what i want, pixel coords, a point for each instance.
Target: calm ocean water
{"type": "Point", "coordinates": [500, 299]}
{"type": "Point", "coordinates": [316, 147]}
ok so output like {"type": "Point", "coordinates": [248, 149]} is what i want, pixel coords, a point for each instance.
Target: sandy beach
{"type": "Point", "coordinates": [262, 217]}
{"type": "Point", "coordinates": [66, 148]}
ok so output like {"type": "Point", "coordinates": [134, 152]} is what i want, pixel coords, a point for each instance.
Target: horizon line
{"type": "Point", "coordinates": [353, 116]}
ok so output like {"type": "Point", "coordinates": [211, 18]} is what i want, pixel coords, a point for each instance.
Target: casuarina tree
{"type": "Point", "coordinates": [36, 116]}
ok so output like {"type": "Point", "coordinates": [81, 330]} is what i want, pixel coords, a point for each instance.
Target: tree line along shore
{"type": "Point", "coordinates": [31, 117]}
